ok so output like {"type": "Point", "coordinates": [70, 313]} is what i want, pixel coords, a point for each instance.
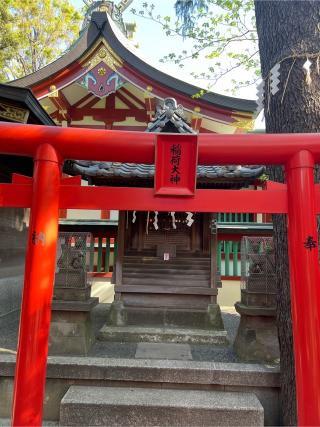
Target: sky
{"type": "Point", "coordinates": [154, 44]}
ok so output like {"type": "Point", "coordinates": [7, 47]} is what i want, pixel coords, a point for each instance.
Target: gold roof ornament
{"type": "Point", "coordinates": [13, 113]}
{"type": "Point", "coordinates": [103, 54]}
{"type": "Point", "coordinates": [245, 123]}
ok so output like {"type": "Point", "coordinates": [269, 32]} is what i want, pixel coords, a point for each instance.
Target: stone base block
{"type": "Point", "coordinates": [71, 329]}
{"type": "Point", "coordinates": [213, 317]}
{"type": "Point", "coordinates": [83, 406]}
{"type": "Point", "coordinates": [121, 315]}
{"type": "Point", "coordinates": [257, 336]}
{"type": "Point", "coordinates": [159, 335]}
{"type": "Point", "coordinates": [71, 294]}
{"type": "Point", "coordinates": [117, 315]}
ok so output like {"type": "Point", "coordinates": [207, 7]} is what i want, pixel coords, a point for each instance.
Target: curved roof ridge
{"type": "Point", "coordinates": [102, 26]}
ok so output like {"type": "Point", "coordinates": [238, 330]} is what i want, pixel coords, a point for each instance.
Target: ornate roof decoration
{"type": "Point", "coordinates": [101, 82]}
{"type": "Point", "coordinates": [101, 78]}
{"type": "Point", "coordinates": [115, 11]}
{"type": "Point", "coordinates": [244, 123]}
{"type": "Point", "coordinates": [169, 116]}
{"type": "Point", "coordinates": [20, 105]}
{"type": "Point", "coordinates": [139, 71]}
{"type": "Point", "coordinates": [105, 55]}
{"type": "Point", "coordinates": [13, 113]}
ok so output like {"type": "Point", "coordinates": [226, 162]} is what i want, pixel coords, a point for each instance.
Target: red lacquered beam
{"type": "Point", "coordinates": [74, 197]}
{"type": "Point", "coordinates": [143, 199]}
{"type": "Point", "coordinates": [138, 147]}
{"type": "Point", "coordinates": [74, 143]}
{"type": "Point", "coordinates": [15, 196]}
{"type": "Point", "coordinates": [131, 198]}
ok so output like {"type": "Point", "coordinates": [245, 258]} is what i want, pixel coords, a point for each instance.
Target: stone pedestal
{"type": "Point", "coordinates": [257, 336]}
{"type": "Point", "coordinates": [71, 329]}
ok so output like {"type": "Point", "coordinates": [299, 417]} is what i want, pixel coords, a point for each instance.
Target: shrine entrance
{"type": "Point", "coordinates": [166, 234]}
{"type": "Point", "coordinates": [166, 229]}
{"type": "Point", "coordinates": [174, 191]}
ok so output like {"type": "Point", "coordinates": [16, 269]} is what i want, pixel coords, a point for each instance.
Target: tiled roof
{"type": "Point", "coordinates": [132, 170]}
{"type": "Point", "coordinates": [168, 113]}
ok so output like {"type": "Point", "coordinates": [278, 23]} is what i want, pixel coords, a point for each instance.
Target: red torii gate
{"type": "Point", "coordinates": [299, 198]}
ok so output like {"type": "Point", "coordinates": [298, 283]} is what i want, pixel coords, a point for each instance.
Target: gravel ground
{"type": "Point", "coordinates": [9, 332]}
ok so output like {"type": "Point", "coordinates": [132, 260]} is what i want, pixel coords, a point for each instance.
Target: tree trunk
{"type": "Point", "coordinates": [288, 29]}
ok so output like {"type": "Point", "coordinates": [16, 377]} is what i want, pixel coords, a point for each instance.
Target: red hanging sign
{"type": "Point", "coordinates": [176, 165]}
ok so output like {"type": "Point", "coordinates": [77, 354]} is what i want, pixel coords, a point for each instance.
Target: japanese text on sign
{"type": "Point", "coordinates": [175, 151]}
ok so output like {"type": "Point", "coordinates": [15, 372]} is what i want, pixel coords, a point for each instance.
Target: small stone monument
{"type": "Point", "coordinates": [71, 329]}
{"type": "Point", "coordinates": [257, 336]}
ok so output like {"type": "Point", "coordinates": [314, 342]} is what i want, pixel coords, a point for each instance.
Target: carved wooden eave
{"type": "Point", "coordinates": [20, 105]}
{"type": "Point", "coordinates": [102, 81]}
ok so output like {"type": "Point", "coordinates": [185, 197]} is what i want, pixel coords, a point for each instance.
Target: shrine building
{"type": "Point", "coordinates": [170, 269]}
{"type": "Point", "coordinates": [165, 260]}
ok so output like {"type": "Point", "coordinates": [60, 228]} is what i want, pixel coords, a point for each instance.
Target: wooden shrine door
{"type": "Point", "coordinates": [181, 236]}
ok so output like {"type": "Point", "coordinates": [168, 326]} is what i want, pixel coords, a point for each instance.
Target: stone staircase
{"type": "Point", "coordinates": [181, 282]}
{"type": "Point", "coordinates": [106, 406]}
{"type": "Point", "coordinates": [182, 271]}
{"type": "Point", "coordinates": [142, 392]}
{"type": "Point", "coordinates": [165, 301]}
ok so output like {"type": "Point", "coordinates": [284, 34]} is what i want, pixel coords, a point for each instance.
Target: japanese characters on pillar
{"type": "Point", "coordinates": [176, 165]}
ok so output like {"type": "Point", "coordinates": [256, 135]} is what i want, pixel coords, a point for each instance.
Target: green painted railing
{"type": "Point", "coordinates": [99, 264]}
{"type": "Point", "coordinates": [107, 257]}
{"type": "Point", "coordinates": [228, 258]}
{"type": "Point", "coordinates": [228, 254]}
{"type": "Point", "coordinates": [101, 259]}
{"type": "Point", "coordinates": [235, 217]}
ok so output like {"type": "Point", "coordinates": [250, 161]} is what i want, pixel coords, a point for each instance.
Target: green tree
{"type": "Point", "coordinates": [222, 31]}
{"type": "Point", "coordinates": [40, 30]}
{"type": "Point", "coordinates": [7, 41]}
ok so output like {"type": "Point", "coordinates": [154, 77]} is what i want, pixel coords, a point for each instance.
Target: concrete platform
{"type": "Point", "coordinates": [102, 406]}
{"type": "Point", "coordinates": [160, 335]}
{"type": "Point", "coordinates": [64, 372]}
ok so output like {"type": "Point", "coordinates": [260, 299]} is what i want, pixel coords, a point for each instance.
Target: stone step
{"type": "Point", "coordinates": [178, 257]}
{"type": "Point", "coordinates": [159, 270]}
{"type": "Point", "coordinates": [172, 259]}
{"type": "Point", "coordinates": [164, 266]}
{"type": "Point", "coordinates": [162, 334]}
{"type": "Point", "coordinates": [114, 406]}
{"type": "Point", "coordinates": [165, 281]}
{"type": "Point", "coordinates": [164, 273]}
{"type": "Point", "coordinates": [169, 270]}
{"type": "Point", "coordinates": [171, 288]}
{"type": "Point", "coordinates": [177, 261]}
{"type": "Point", "coordinates": [167, 263]}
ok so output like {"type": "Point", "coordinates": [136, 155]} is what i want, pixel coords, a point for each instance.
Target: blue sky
{"type": "Point", "coordinates": [154, 44]}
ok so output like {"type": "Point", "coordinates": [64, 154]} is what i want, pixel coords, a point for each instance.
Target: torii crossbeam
{"type": "Point", "coordinates": [46, 192]}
